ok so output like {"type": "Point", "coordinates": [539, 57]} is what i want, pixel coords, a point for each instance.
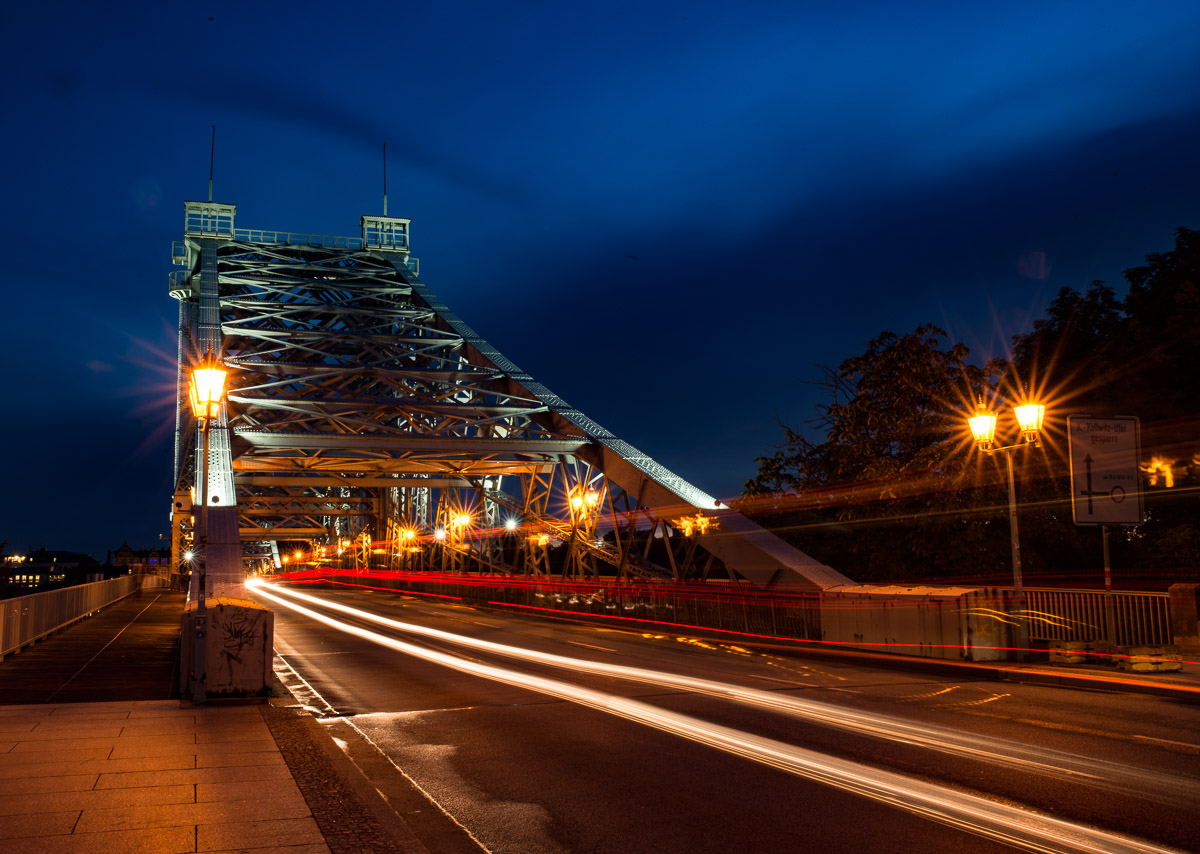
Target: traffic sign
{"type": "Point", "coordinates": [1106, 484]}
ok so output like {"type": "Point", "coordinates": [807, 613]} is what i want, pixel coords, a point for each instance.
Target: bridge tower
{"type": "Point", "coordinates": [367, 425]}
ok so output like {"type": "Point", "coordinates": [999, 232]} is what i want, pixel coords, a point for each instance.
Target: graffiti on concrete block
{"type": "Point", "coordinates": [240, 631]}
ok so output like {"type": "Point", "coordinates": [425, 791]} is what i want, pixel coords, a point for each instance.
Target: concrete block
{"type": "Point", "coordinates": [239, 642]}
{"type": "Point", "coordinates": [1185, 617]}
{"type": "Point", "coordinates": [934, 622]}
{"type": "Point", "coordinates": [1151, 659]}
{"type": "Point", "coordinates": [1069, 652]}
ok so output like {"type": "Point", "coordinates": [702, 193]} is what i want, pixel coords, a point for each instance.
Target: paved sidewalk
{"type": "Point", "coordinates": [127, 774]}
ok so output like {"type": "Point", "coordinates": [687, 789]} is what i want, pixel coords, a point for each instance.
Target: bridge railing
{"type": "Point", "coordinates": [26, 619]}
{"type": "Point", "coordinates": [975, 624]}
{"type": "Point", "coordinates": [1139, 619]}
{"type": "Point", "coordinates": [289, 238]}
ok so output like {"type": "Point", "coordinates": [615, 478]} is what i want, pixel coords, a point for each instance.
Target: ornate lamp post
{"type": "Point", "coordinates": [983, 427]}
{"type": "Point", "coordinates": [205, 389]}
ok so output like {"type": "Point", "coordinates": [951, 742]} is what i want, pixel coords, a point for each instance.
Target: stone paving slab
{"type": "Point", "coordinates": [191, 776]}
{"type": "Point", "coordinates": [159, 840]}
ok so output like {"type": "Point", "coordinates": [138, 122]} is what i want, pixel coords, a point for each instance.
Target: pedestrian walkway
{"type": "Point", "coordinates": [128, 651]}
{"type": "Point", "coordinates": [138, 770]}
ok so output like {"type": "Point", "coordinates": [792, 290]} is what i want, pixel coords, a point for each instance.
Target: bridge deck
{"type": "Point", "coordinates": [128, 651]}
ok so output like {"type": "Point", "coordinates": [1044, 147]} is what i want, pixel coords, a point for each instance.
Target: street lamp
{"type": "Point", "coordinates": [983, 427]}
{"type": "Point", "coordinates": [205, 389]}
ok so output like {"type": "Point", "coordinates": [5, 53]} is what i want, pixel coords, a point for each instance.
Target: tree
{"type": "Point", "coordinates": [889, 493]}
{"type": "Point", "coordinates": [1072, 346]}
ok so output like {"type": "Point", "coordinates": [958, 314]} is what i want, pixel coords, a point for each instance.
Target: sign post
{"type": "Point", "coordinates": [1106, 485]}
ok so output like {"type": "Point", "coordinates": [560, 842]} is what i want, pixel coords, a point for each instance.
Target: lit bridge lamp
{"type": "Point", "coordinates": [206, 387]}
{"type": "Point", "coordinates": [1029, 417]}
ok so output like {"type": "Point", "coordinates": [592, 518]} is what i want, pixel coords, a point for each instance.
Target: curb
{"type": "Point", "coordinates": [350, 813]}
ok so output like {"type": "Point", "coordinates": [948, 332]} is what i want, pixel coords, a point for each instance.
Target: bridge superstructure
{"type": "Point", "coordinates": [366, 423]}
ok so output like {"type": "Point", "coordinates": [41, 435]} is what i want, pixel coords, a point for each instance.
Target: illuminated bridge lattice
{"type": "Point", "coordinates": [366, 424]}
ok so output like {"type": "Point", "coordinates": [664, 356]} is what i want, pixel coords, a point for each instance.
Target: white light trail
{"type": "Point", "coordinates": [970, 813]}
{"type": "Point", "coordinates": [1097, 773]}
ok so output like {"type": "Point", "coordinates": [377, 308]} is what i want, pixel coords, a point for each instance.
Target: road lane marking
{"type": "Point", "coordinates": [592, 646]}
{"type": "Point", "coordinates": [1168, 741]}
{"type": "Point", "coordinates": [791, 682]}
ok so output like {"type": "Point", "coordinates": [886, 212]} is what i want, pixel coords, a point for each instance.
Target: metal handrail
{"type": "Point", "coordinates": [26, 619]}
{"type": "Point", "coordinates": [289, 238]}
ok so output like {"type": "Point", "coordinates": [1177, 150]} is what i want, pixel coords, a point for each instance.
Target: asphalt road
{"type": "Point", "coordinates": [842, 755]}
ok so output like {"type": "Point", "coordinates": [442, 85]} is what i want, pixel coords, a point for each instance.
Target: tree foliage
{"type": "Point", "coordinates": [884, 495]}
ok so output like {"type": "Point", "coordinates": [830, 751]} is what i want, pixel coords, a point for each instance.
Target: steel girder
{"type": "Point", "coordinates": [363, 411]}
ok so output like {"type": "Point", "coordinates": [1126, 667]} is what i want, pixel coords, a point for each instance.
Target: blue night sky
{"type": "Point", "coordinates": [668, 213]}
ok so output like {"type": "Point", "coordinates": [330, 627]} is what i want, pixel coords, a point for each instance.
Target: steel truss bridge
{"type": "Point", "coordinates": [366, 424]}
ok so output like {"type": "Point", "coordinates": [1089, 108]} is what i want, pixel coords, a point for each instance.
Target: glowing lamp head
{"type": "Point", "coordinates": [461, 521]}
{"type": "Point", "coordinates": [585, 499]}
{"type": "Point", "coordinates": [205, 388]}
{"type": "Point", "coordinates": [439, 534]}
{"type": "Point", "coordinates": [511, 524]}
{"type": "Point", "coordinates": [299, 554]}
{"type": "Point", "coordinates": [1030, 416]}
{"type": "Point", "coordinates": [188, 555]}
{"type": "Point", "coordinates": [983, 425]}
